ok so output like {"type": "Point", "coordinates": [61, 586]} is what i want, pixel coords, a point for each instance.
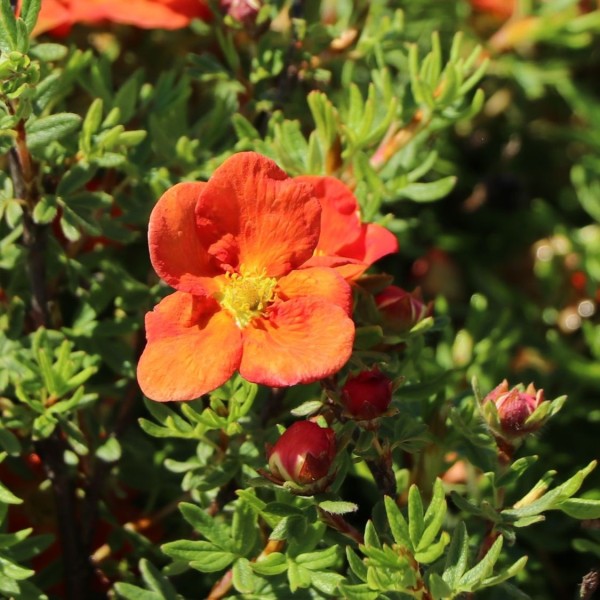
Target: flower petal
{"type": "Point", "coordinates": [375, 242]}
{"type": "Point", "coordinates": [147, 14]}
{"type": "Point", "coordinates": [176, 252]}
{"type": "Point", "coordinates": [300, 341]}
{"type": "Point", "coordinates": [193, 347]}
{"type": "Point", "coordinates": [340, 220]}
{"type": "Point", "coordinates": [320, 282]}
{"type": "Point", "coordinates": [251, 214]}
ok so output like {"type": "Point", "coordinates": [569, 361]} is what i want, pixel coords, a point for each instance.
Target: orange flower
{"type": "Point", "coordinates": [61, 15]}
{"type": "Point", "coordinates": [232, 248]}
{"type": "Point", "coordinates": [345, 243]}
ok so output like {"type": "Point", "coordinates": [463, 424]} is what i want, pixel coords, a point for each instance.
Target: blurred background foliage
{"type": "Point", "coordinates": [494, 197]}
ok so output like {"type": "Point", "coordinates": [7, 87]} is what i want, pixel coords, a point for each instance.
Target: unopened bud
{"type": "Point", "coordinates": [401, 310]}
{"type": "Point", "coordinates": [303, 454]}
{"type": "Point", "coordinates": [514, 407]}
{"type": "Point", "coordinates": [367, 395]}
{"type": "Point", "coordinates": [244, 11]}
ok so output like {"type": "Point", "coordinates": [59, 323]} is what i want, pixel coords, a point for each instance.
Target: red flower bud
{"type": "Point", "coordinates": [514, 407]}
{"type": "Point", "coordinates": [303, 454]}
{"type": "Point", "coordinates": [244, 11]}
{"type": "Point", "coordinates": [401, 310]}
{"type": "Point", "coordinates": [367, 395]}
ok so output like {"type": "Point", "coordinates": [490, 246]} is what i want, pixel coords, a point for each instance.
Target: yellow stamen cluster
{"type": "Point", "coordinates": [247, 295]}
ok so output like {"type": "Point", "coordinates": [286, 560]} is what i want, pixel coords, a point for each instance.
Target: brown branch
{"type": "Point", "coordinates": [76, 566]}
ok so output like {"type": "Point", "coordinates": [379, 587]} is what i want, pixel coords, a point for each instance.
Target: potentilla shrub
{"type": "Point", "coordinates": [240, 356]}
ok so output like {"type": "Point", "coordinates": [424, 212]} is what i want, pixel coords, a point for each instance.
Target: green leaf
{"type": "Point", "coordinates": [371, 537]}
{"type": "Point", "coordinates": [29, 13]}
{"type": "Point", "coordinates": [398, 525]}
{"type": "Point", "coordinates": [49, 52]}
{"type": "Point", "coordinates": [243, 529]}
{"type": "Point", "coordinates": [75, 178]}
{"type": "Point", "coordinates": [110, 450]}
{"type": "Point", "coordinates": [208, 526]}
{"type": "Point", "coordinates": [9, 442]}
{"type": "Point", "coordinates": [156, 581]}
{"type": "Point", "coordinates": [298, 577]}
{"type": "Point", "coordinates": [326, 583]}
{"type": "Point", "coordinates": [427, 192]}
{"type": "Point", "coordinates": [274, 564]}
{"type": "Point", "coordinates": [358, 592]}
{"type": "Point", "coordinates": [438, 588]}
{"type": "Point", "coordinates": [552, 499]}
{"type": "Point", "coordinates": [358, 566]}
{"type": "Point", "coordinates": [132, 592]}
{"type": "Point", "coordinates": [432, 552]}
{"type": "Point", "coordinates": [434, 517]}
{"type": "Point", "coordinates": [513, 570]}
{"type": "Point", "coordinates": [338, 507]}
{"type": "Point", "coordinates": [45, 130]}
{"type": "Point", "coordinates": [243, 578]}
{"type": "Point", "coordinates": [580, 508]}
{"type": "Point", "coordinates": [8, 497]}
{"type": "Point", "coordinates": [8, 27]}
{"type": "Point", "coordinates": [200, 555]}
{"type": "Point", "coordinates": [416, 523]}
{"type": "Point", "coordinates": [45, 210]}
{"type": "Point", "coordinates": [457, 557]}
{"type": "Point", "coordinates": [472, 579]}
{"type": "Point", "coordinates": [319, 560]}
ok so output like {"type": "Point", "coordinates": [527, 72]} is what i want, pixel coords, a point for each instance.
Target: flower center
{"type": "Point", "coordinates": [247, 295]}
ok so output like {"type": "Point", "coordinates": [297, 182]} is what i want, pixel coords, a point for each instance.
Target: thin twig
{"type": "Point", "coordinates": [77, 568]}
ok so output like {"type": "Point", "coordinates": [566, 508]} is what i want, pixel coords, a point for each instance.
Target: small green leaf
{"type": "Point", "coordinates": [8, 497]}
{"type": "Point", "coordinates": [208, 526]}
{"type": "Point", "coordinates": [428, 192]}
{"type": "Point", "coordinates": [243, 529]}
{"type": "Point", "coordinates": [110, 450]}
{"type": "Point", "coordinates": [580, 508]}
{"type": "Point", "coordinates": [132, 592]}
{"type": "Point", "coordinates": [438, 587]}
{"type": "Point", "coordinates": [274, 564]}
{"type": "Point", "coordinates": [29, 13]}
{"type": "Point", "coordinates": [416, 523]}
{"type": "Point", "coordinates": [45, 130]}
{"type": "Point", "coordinates": [200, 555]}
{"type": "Point", "coordinates": [8, 27]}
{"type": "Point", "coordinates": [49, 52]}
{"type": "Point", "coordinates": [45, 210]}
{"type": "Point", "coordinates": [457, 557]}
{"type": "Point", "coordinates": [156, 581]}
{"type": "Point", "coordinates": [319, 560]}
{"type": "Point", "coordinates": [434, 517]}
{"type": "Point", "coordinates": [472, 579]}
{"type": "Point", "coordinates": [398, 524]}
{"type": "Point", "coordinates": [9, 442]}
{"type": "Point", "coordinates": [243, 578]}
{"type": "Point", "coordinates": [338, 507]}
{"type": "Point", "coordinates": [358, 566]}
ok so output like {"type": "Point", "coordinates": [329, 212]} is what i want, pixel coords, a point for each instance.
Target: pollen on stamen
{"type": "Point", "coordinates": [247, 295]}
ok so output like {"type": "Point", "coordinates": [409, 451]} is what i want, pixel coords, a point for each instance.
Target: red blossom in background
{"type": "Point", "coordinates": [346, 243]}
{"type": "Point", "coordinates": [367, 395]}
{"type": "Point", "coordinates": [501, 9]}
{"type": "Point", "coordinates": [303, 454]}
{"type": "Point", "coordinates": [232, 249]}
{"type": "Point", "coordinates": [61, 15]}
